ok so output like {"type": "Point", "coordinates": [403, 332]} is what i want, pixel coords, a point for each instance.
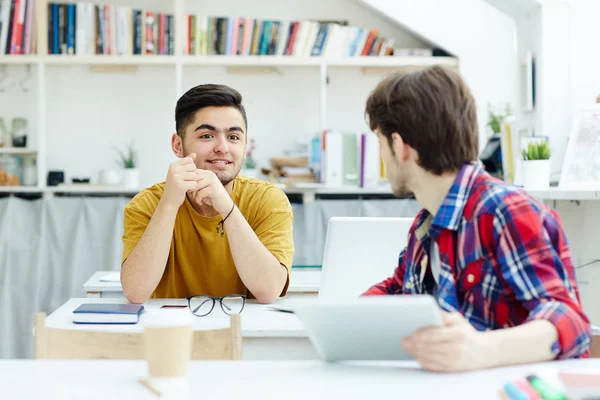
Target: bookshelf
{"type": "Point", "coordinates": [41, 60]}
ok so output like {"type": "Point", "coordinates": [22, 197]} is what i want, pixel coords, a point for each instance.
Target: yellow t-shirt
{"type": "Point", "coordinates": [200, 260]}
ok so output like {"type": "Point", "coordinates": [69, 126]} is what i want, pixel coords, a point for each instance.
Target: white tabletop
{"type": "Point", "coordinates": [258, 320]}
{"type": "Point", "coordinates": [301, 280]}
{"type": "Point", "coordinates": [290, 380]}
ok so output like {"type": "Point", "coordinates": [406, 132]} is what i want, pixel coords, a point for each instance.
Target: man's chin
{"type": "Point", "coordinates": [402, 192]}
{"type": "Point", "coordinates": [225, 178]}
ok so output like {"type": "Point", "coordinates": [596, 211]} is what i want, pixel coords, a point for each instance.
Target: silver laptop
{"type": "Point", "coordinates": [370, 328]}
{"type": "Point", "coordinates": [360, 252]}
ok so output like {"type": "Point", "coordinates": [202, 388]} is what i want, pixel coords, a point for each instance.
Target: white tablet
{"type": "Point", "coordinates": [368, 328]}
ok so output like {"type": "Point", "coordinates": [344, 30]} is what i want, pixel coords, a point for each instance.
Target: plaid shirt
{"type": "Point", "coordinates": [504, 261]}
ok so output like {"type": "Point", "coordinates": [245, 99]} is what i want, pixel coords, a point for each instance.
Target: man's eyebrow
{"type": "Point", "coordinates": [213, 129]}
{"type": "Point", "coordinates": [235, 129]}
{"type": "Point", "coordinates": [207, 127]}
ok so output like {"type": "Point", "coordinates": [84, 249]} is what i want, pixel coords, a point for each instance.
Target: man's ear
{"type": "Point", "coordinates": [177, 145]}
{"type": "Point", "coordinates": [399, 147]}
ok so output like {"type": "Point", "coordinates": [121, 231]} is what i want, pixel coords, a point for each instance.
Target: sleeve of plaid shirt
{"type": "Point", "coordinates": [535, 263]}
{"type": "Point", "coordinates": [391, 285]}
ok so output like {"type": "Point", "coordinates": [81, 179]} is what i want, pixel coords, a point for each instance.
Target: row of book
{"type": "Point", "coordinates": [346, 159]}
{"type": "Point", "coordinates": [17, 27]}
{"type": "Point", "coordinates": [87, 29]}
{"type": "Point", "coordinates": [248, 36]}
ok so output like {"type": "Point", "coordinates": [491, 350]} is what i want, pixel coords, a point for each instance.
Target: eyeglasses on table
{"type": "Point", "coordinates": [202, 305]}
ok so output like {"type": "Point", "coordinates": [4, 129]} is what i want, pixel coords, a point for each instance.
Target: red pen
{"type": "Point", "coordinates": [532, 394]}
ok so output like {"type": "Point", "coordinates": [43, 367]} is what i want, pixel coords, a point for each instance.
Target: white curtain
{"type": "Point", "coordinates": [51, 246]}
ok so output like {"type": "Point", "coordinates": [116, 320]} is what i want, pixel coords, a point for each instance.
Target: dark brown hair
{"type": "Point", "coordinates": [202, 96]}
{"type": "Point", "coordinates": [433, 111]}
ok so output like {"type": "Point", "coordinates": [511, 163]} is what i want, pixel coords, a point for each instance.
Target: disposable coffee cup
{"type": "Point", "coordinates": [168, 343]}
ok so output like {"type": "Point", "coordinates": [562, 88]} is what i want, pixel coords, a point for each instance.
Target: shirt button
{"type": "Point", "coordinates": [470, 278]}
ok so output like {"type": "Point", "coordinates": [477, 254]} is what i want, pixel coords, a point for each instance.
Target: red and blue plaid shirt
{"type": "Point", "coordinates": [504, 261]}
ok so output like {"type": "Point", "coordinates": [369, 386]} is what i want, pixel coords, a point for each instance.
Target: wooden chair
{"type": "Point", "coordinates": [54, 343]}
{"type": "Point", "coordinates": [595, 347]}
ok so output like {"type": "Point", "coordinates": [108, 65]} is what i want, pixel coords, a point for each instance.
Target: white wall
{"type": "Point", "coordinates": [554, 84]}
{"type": "Point", "coordinates": [584, 54]}
{"type": "Point", "coordinates": [528, 40]}
{"type": "Point", "coordinates": [90, 112]}
{"type": "Point", "coordinates": [481, 36]}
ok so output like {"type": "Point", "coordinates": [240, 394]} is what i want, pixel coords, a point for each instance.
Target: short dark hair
{"type": "Point", "coordinates": [202, 96]}
{"type": "Point", "coordinates": [434, 112]}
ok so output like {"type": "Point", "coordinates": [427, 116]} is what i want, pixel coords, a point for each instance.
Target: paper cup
{"type": "Point", "coordinates": [168, 343]}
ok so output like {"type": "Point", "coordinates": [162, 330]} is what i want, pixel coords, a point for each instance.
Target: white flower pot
{"type": "Point", "coordinates": [251, 173]}
{"type": "Point", "coordinates": [536, 174]}
{"type": "Point", "coordinates": [111, 177]}
{"type": "Point", "coordinates": [131, 178]}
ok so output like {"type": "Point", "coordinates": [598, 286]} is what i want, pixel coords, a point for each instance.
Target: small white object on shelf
{"type": "Point", "coordinates": [581, 166]}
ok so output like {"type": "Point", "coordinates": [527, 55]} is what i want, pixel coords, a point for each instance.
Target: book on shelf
{"type": "Point", "coordinates": [92, 29]}
{"type": "Point", "coordinates": [17, 27]}
{"type": "Point", "coordinates": [237, 36]}
{"type": "Point", "coordinates": [346, 159]}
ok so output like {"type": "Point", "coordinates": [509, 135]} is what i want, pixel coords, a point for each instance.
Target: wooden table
{"type": "Point", "coordinates": [267, 334]}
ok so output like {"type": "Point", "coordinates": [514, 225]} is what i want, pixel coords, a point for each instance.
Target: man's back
{"type": "Point", "coordinates": [200, 259]}
{"type": "Point", "coordinates": [503, 260]}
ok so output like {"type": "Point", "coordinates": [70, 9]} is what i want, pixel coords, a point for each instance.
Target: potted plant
{"type": "Point", "coordinates": [495, 119]}
{"type": "Point", "coordinates": [131, 174]}
{"type": "Point", "coordinates": [250, 168]}
{"type": "Point", "coordinates": [536, 165]}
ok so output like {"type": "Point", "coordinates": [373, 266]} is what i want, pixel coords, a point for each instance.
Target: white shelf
{"type": "Point", "coordinates": [250, 61]}
{"type": "Point", "coordinates": [391, 61]}
{"type": "Point", "coordinates": [18, 59]}
{"type": "Point", "coordinates": [108, 60]}
{"type": "Point", "coordinates": [562, 194]}
{"type": "Point", "coordinates": [20, 189]}
{"type": "Point", "coordinates": [92, 189]}
{"type": "Point", "coordinates": [99, 189]}
{"type": "Point", "coordinates": [17, 151]}
{"type": "Point", "coordinates": [324, 189]}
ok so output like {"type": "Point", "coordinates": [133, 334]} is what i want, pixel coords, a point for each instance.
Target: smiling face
{"type": "Point", "coordinates": [218, 137]}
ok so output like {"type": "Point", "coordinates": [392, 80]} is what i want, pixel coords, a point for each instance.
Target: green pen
{"type": "Point", "coordinates": [545, 390]}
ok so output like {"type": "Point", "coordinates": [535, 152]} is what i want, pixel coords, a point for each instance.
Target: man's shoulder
{"type": "Point", "coordinates": [492, 197]}
{"type": "Point", "coordinates": [148, 198]}
{"type": "Point", "coordinates": [263, 193]}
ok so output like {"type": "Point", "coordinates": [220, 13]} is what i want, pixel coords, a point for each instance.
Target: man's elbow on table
{"type": "Point", "coordinates": [132, 293]}
{"type": "Point", "coordinates": [266, 297]}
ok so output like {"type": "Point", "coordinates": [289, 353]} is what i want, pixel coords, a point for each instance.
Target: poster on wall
{"type": "Point", "coordinates": [581, 167]}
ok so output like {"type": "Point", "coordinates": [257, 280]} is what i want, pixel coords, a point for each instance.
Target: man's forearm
{"type": "Point", "coordinates": [260, 271]}
{"type": "Point", "coordinates": [527, 343]}
{"type": "Point", "coordinates": [143, 269]}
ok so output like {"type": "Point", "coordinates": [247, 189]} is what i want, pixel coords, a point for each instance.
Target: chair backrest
{"type": "Point", "coordinates": [54, 343]}
{"type": "Point", "coordinates": [360, 252]}
{"type": "Point", "coordinates": [595, 347]}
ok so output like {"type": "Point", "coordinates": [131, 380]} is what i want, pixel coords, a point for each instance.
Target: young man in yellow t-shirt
{"type": "Point", "coordinates": [206, 230]}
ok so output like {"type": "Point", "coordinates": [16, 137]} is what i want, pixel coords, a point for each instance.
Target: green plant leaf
{"type": "Point", "coordinates": [537, 151]}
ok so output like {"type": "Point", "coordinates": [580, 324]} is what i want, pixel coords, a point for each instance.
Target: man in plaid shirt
{"type": "Point", "coordinates": [496, 259]}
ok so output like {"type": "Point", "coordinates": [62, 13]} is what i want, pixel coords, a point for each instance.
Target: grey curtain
{"type": "Point", "coordinates": [51, 246]}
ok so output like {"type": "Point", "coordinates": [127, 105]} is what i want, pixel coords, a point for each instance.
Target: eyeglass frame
{"type": "Point", "coordinates": [214, 300]}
